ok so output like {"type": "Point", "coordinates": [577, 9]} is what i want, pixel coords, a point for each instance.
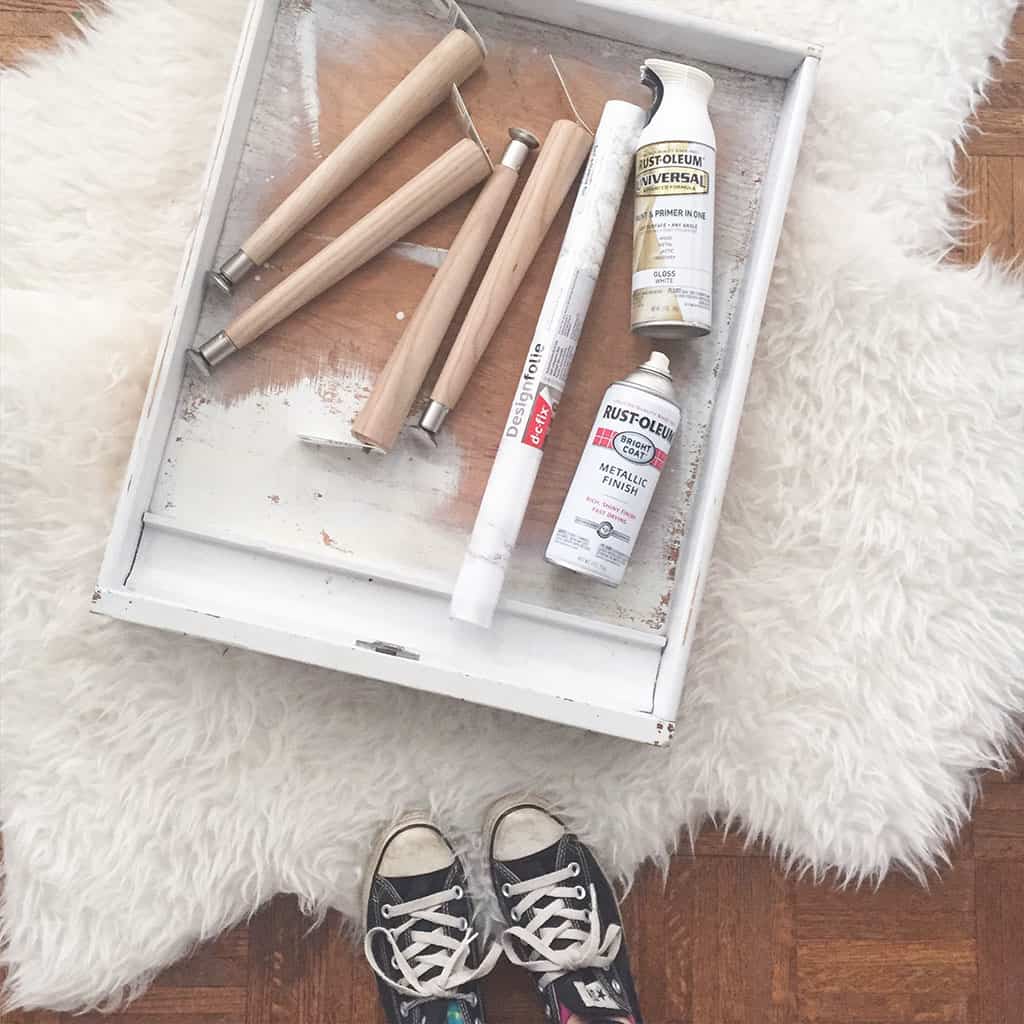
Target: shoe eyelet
{"type": "Point", "coordinates": [471, 998]}
{"type": "Point", "coordinates": [394, 962]}
{"type": "Point", "coordinates": [579, 892]}
{"type": "Point", "coordinates": [574, 869]}
{"type": "Point", "coordinates": [458, 893]}
{"type": "Point", "coordinates": [506, 889]}
{"type": "Point", "coordinates": [403, 1009]}
{"type": "Point", "coordinates": [385, 911]}
{"type": "Point", "coordinates": [463, 924]}
{"type": "Point", "coordinates": [616, 987]}
{"type": "Point", "coordinates": [515, 915]}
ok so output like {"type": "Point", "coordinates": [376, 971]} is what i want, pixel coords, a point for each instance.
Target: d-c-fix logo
{"type": "Point", "coordinates": [634, 447]}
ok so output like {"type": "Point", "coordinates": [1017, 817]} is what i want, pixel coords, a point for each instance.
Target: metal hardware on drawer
{"type": "Point", "coordinates": [383, 647]}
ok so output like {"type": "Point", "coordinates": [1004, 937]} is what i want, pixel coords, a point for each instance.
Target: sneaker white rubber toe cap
{"type": "Point", "coordinates": [415, 850]}
{"type": "Point", "coordinates": [524, 831]}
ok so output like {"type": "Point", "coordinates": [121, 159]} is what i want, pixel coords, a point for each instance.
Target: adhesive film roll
{"type": "Point", "coordinates": [548, 360]}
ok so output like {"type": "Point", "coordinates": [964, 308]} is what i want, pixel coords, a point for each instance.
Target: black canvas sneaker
{"type": "Point", "coordinates": [419, 929]}
{"type": "Point", "coordinates": [562, 916]}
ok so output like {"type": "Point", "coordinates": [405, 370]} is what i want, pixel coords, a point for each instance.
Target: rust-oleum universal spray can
{"type": "Point", "coordinates": [609, 496]}
{"type": "Point", "coordinates": [674, 217]}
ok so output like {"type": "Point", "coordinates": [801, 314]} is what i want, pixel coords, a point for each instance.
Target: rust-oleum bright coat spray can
{"type": "Point", "coordinates": [611, 492]}
{"type": "Point", "coordinates": [674, 218]}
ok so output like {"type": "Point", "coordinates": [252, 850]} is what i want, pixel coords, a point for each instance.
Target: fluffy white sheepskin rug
{"type": "Point", "coordinates": [860, 650]}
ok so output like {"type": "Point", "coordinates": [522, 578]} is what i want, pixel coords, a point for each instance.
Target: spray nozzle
{"type": "Point", "coordinates": [657, 87]}
{"type": "Point", "coordinates": [658, 363]}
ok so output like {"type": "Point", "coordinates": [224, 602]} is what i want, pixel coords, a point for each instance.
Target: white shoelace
{"type": "Point", "coordinates": [429, 952]}
{"type": "Point", "coordinates": [577, 931]}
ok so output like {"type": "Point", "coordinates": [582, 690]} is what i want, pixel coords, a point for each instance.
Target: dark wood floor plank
{"type": "Point", "coordinates": [705, 973]}
{"type": "Point", "coordinates": [997, 133]}
{"type": "Point", "coordinates": [999, 212]}
{"type": "Point", "coordinates": [162, 1002]}
{"type": "Point", "coordinates": [1006, 93]}
{"type": "Point", "coordinates": [510, 997]}
{"type": "Point", "coordinates": [741, 942]}
{"type": "Point", "coordinates": [205, 971]}
{"type": "Point", "coordinates": [999, 824]}
{"type": "Point", "coordinates": [974, 182]}
{"type": "Point", "coordinates": [363, 1004]}
{"type": "Point", "coordinates": [341, 991]}
{"type": "Point", "coordinates": [853, 981]}
{"type": "Point", "coordinates": [782, 921]}
{"type": "Point", "coordinates": [182, 1015]}
{"type": "Point", "coordinates": [886, 926]}
{"type": "Point", "coordinates": [35, 24]}
{"type": "Point", "coordinates": [287, 966]}
{"type": "Point", "coordinates": [39, 6]}
{"type": "Point", "coordinates": [664, 960]}
{"type": "Point", "coordinates": [949, 893]}
{"type": "Point", "coordinates": [1013, 67]}
{"type": "Point", "coordinates": [713, 842]}
{"type": "Point", "coordinates": [1018, 235]}
{"type": "Point", "coordinates": [1001, 941]}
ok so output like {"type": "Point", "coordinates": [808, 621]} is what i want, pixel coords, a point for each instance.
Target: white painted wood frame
{"type": "Point", "coordinates": [387, 618]}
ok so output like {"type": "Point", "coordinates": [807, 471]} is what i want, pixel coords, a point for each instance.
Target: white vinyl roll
{"type": "Point", "coordinates": [540, 386]}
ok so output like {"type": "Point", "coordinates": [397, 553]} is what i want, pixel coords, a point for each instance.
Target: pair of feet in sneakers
{"type": "Point", "coordinates": [561, 915]}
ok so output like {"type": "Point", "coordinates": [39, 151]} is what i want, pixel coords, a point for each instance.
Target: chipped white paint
{"type": "Point", "coordinates": [309, 84]}
{"type": "Point", "coordinates": [244, 463]}
{"type": "Point", "coordinates": [428, 255]}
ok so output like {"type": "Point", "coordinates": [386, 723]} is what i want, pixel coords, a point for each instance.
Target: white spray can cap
{"type": "Point", "coordinates": [658, 363]}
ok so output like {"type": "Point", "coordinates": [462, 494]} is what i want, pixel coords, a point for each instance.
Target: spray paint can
{"type": "Point", "coordinates": [611, 492]}
{"type": "Point", "coordinates": [674, 223]}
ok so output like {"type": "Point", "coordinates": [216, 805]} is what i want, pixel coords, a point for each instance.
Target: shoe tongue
{"type": "Point", "coordinates": [542, 862]}
{"type": "Point", "coordinates": [441, 1011]}
{"type": "Point", "coordinates": [587, 995]}
{"type": "Point", "coordinates": [414, 887]}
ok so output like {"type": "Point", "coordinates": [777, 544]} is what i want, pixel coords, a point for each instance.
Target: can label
{"type": "Point", "coordinates": [673, 234]}
{"type": "Point", "coordinates": [626, 450]}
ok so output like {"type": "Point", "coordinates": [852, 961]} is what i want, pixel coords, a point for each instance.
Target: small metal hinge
{"type": "Point", "coordinates": [383, 647]}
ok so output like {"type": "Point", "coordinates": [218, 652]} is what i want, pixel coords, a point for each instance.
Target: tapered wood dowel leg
{"type": "Point", "coordinates": [380, 420]}
{"type": "Point", "coordinates": [452, 61]}
{"type": "Point", "coordinates": [558, 163]}
{"type": "Point", "coordinates": [450, 176]}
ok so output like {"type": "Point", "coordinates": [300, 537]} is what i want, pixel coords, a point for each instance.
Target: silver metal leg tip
{"type": "Point", "coordinates": [426, 432]}
{"type": "Point", "coordinates": [215, 277]}
{"type": "Point", "coordinates": [195, 357]}
{"type": "Point", "coordinates": [214, 351]}
{"type": "Point", "coordinates": [433, 416]}
{"type": "Point", "coordinates": [232, 270]}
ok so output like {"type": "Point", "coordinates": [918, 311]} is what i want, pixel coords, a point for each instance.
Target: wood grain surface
{"type": "Point", "coordinates": [395, 389]}
{"type": "Point", "coordinates": [451, 175]}
{"type": "Point", "coordinates": [428, 83]}
{"type": "Point", "coordinates": [559, 160]}
{"type": "Point", "coordinates": [725, 938]}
